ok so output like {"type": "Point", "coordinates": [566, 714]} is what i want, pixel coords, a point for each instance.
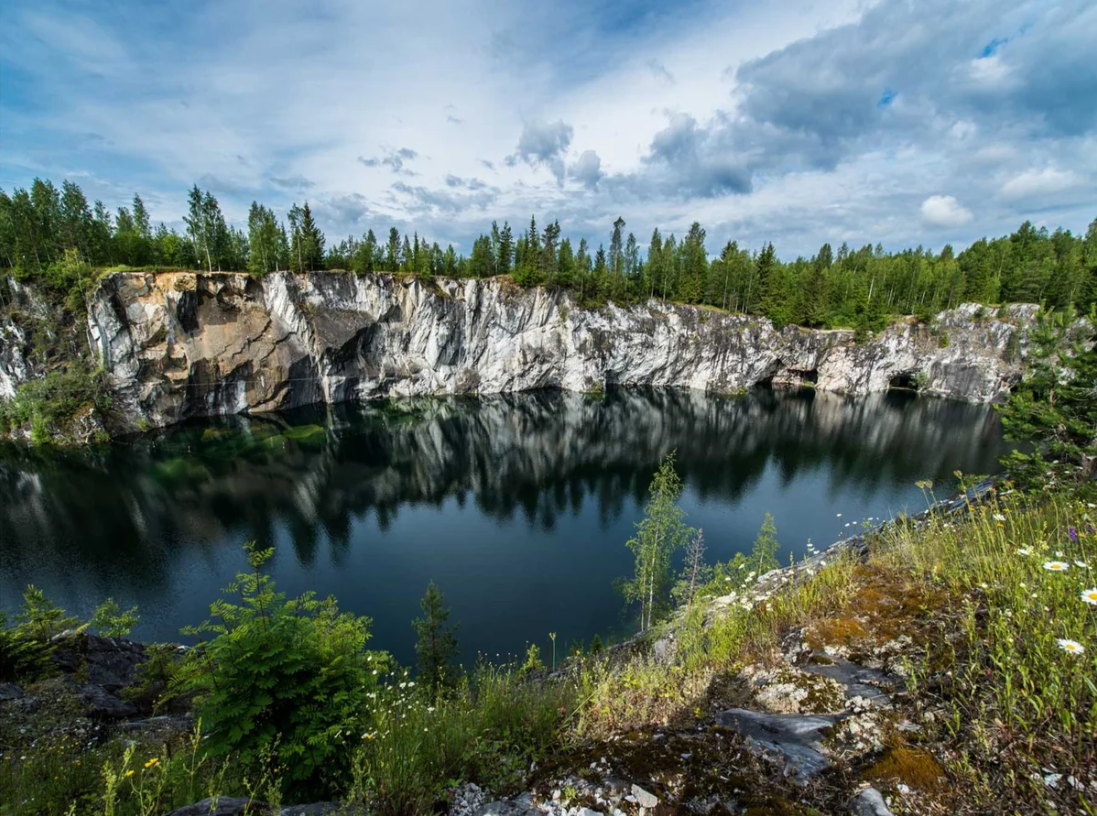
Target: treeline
{"type": "Point", "coordinates": [45, 226]}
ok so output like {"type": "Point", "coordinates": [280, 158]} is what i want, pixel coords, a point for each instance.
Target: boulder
{"type": "Point", "coordinates": [870, 802]}
{"type": "Point", "coordinates": [795, 738]}
{"type": "Point", "coordinates": [105, 706]}
{"type": "Point", "coordinates": [223, 806]}
{"type": "Point", "coordinates": [10, 691]}
{"type": "Point", "coordinates": [109, 662]}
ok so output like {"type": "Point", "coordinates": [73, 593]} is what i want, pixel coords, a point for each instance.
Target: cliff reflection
{"type": "Point", "coordinates": [542, 455]}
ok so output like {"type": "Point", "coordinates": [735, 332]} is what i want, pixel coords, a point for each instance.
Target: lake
{"type": "Point", "coordinates": [517, 506]}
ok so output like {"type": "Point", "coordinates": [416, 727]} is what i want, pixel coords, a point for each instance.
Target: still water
{"type": "Point", "coordinates": [518, 506]}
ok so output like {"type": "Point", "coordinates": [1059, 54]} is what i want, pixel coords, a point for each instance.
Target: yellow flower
{"type": "Point", "coordinates": [129, 773]}
{"type": "Point", "coordinates": [151, 762]}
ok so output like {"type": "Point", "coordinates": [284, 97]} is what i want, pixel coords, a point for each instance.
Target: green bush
{"type": "Point", "coordinates": [286, 680]}
{"type": "Point", "coordinates": [47, 404]}
{"type": "Point", "coordinates": [40, 618]}
{"type": "Point", "coordinates": [22, 659]}
{"type": "Point", "coordinates": [110, 621]}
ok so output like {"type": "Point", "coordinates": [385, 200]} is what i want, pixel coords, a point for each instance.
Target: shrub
{"type": "Point", "coordinates": [40, 618]}
{"type": "Point", "coordinates": [47, 404]}
{"type": "Point", "coordinates": [110, 621]}
{"type": "Point", "coordinates": [22, 659]}
{"type": "Point", "coordinates": [284, 679]}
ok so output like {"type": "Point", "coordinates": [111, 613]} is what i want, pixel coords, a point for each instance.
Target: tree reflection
{"type": "Point", "coordinates": [316, 473]}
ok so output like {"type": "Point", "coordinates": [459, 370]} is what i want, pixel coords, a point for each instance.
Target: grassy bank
{"type": "Point", "coordinates": [990, 615]}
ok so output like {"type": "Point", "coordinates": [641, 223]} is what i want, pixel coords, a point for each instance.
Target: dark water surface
{"type": "Point", "coordinates": [517, 506]}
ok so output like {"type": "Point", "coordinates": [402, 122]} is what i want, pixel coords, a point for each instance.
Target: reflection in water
{"type": "Point", "coordinates": [525, 481]}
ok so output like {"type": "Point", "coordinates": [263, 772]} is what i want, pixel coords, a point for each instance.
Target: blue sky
{"type": "Point", "coordinates": [798, 122]}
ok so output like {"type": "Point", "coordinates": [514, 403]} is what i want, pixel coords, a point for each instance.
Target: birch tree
{"type": "Point", "coordinates": [659, 535]}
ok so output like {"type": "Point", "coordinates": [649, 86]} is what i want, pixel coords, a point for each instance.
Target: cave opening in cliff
{"type": "Point", "coordinates": [904, 381]}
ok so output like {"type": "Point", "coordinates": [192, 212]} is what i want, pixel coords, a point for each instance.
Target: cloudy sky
{"type": "Point", "coordinates": [799, 121]}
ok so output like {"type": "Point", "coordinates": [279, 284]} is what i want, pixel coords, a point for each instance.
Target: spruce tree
{"type": "Point", "coordinates": [437, 641]}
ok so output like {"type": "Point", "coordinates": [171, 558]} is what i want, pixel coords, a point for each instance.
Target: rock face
{"type": "Point", "coordinates": [181, 345]}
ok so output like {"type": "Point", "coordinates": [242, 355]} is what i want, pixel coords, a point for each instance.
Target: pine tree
{"type": "Point", "coordinates": [392, 254]}
{"type": "Point", "coordinates": [312, 240]}
{"type": "Point", "coordinates": [437, 641]}
{"type": "Point", "coordinates": [504, 261]}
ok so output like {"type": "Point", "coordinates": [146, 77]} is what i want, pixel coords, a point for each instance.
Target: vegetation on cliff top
{"type": "Point", "coordinates": [860, 288]}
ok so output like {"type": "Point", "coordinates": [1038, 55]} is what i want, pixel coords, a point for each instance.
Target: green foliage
{"type": "Point", "coordinates": [487, 731]}
{"type": "Point", "coordinates": [49, 403]}
{"type": "Point", "coordinates": [288, 678]}
{"type": "Point", "coordinates": [40, 618]}
{"type": "Point", "coordinates": [744, 568]}
{"type": "Point", "coordinates": [437, 642]}
{"type": "Point", "coordinates": [23, 659]}
{"type": "Point", "coordinates": [110, 621]}
{"type": "Point", "coordinates": [46, 234]}
{"type": "Point", "coordinates": [1055, 406]}
{"type": "Point", "coordinates": [533, 661]}
{"type": "Point", "coordinates": [154, 686]}
{"type": "Point", "coordinates": [659, 535]}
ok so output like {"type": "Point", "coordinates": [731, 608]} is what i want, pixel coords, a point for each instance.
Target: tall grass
{"type": "Point", "coordinates": [486, 731]}
{"type": "Point", "coordinates": [1016, 572]}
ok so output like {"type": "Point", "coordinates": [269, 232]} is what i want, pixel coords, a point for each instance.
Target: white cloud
{"type": "Point", "coordinates": [800, 122]}
{"type": "Point", "coordinates": [1033, 183]}
{"type": "Point", "coordinates": [944, 211]}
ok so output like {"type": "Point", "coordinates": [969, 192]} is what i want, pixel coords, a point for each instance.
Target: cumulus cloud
{"type": "Point", "coordinates": [587, 170]}
{"type": "Point", "coordinates": [394, 159]}
{"type": "Point", "coordinates": [690, 161]}
{"type": "Point", "coordinates": [838, 121]}
{"type": "Point", "coordinates": [422, 200]}
{"type": "Point", "coordinates": [944, 211]}
{"type": "Point", "coordinates": [1033, 183]}
{"type": "Point", "coordinates": [544, 144]}
{"type": "Point", "coordinates": [291, 182]}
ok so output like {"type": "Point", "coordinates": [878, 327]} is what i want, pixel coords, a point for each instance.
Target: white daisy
{"type": "Point", "coordinates": [1024, 551]}
{"type": "Point", "coordinates": [1071, 646]}
{"type": "Point", "coordinates": [1056, 566]}
{"type": "Point", "coordinates": [1090, 596]}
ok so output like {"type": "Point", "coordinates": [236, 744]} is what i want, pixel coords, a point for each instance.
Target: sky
{"type": "Point", "coordinates": [903, 122]}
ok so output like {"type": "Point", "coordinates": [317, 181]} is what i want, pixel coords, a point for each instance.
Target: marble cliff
{"type": "Point", "coordinates": [179, 345]}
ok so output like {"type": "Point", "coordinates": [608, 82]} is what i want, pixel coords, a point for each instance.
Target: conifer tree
{"type": "Point", "coordinates": [437, 641]}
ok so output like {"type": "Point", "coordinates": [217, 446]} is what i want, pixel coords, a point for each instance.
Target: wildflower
{"type": "Point", "coordinates": [1090, 596]}
{"type": "Point", "coordinates": [129, 773]}
{"type": "Point", "coordinates": [151, 762]}
{"type": "Point", "coordinates": [1072, 534]}
{"type": "Point", "coordinates": [1024, 551]}
{"type": "Point", "coordinates": [999, 517]}
{"type": "Point", "coordinates": [1081, 565]}
{"type": "Point", "coordinates": [1071, 646]}
{"type": "Point", "coordinates": [1056, 566]}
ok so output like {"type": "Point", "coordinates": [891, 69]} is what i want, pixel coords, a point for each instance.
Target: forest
{"type": "Point", "coordinates": [53, 235]}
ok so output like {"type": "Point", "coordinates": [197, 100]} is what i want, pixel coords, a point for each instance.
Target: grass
{"type": "Point", "coordinates": [962, 605]}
